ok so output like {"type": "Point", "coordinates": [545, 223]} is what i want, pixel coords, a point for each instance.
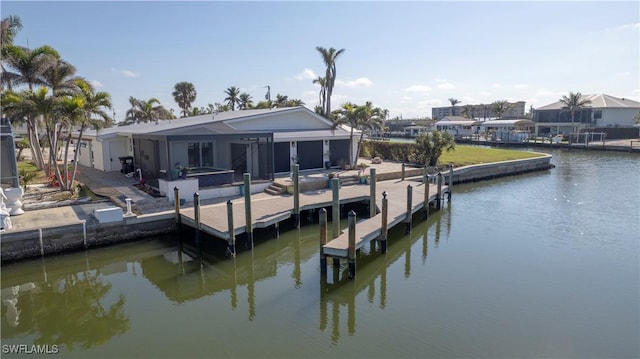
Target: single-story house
{"type": "Point", "coordinates": [218, 148]}
{"type": "Point", "coordinates": [458, 126]}
{"type": "Point", "coordinates": [517, 130]}
{"type": "Point", "coordinates": [602, 112]}
{"type": "Point", "coordinates": [415, 130]}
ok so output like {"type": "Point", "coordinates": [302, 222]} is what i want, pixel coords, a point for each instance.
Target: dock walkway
{"type": "Point", "coordinates": [271, 210]}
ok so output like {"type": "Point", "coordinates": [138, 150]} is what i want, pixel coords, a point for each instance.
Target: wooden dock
{"type": "Point", "coordinates": [268, 210]}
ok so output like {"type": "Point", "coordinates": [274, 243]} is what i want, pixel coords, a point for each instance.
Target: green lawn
{"type": "Point", "coordinates": [472, 155]}
{"type": "Point", "coordinates": [29, 169]}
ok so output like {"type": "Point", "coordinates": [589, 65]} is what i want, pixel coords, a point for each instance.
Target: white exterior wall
{"type": "Point", "coordinates": [117, 147]}
{"type": "Point", "coordinates": [98, 155]}
{"type": "Point", "coordinates": [621, 117]}
{"type": "Point", "coordinates": [84, 157]}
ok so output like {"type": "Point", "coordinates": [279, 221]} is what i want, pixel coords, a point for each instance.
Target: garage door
{"type": "Point", "coordinates": [281, 157]}
{"type": "Point", "coordinates": [310, 155]}
{"type": "Point", "coordinates": [339, 150]}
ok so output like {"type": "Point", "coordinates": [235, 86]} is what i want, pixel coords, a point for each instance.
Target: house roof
{"type": "Point", "coordinates": [516, 122]}
{"type": "Point", "coordinates": [597, 101]}
{"type": "Point", "coordinates": [465, 122]}
{"type": "Point", "coordinates": [217, 123]}
{"type": "Point", "coordinates": [338, 133]}
{"type": "Point", "coordinates": [454, 118]}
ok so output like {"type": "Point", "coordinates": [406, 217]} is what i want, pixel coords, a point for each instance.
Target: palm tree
{"type": "Point", "coordinates": [232, 98]}
{"type": "Point", "coordinates": [485, 110]}
{"type": "Point", "coordinates": [346, 115]}
{"type": "Point", "coordinates": [500, 107]}
{"type": "Point", "coordinates": [368, 119]}
{"type": "Point", "coordinates": [281, 101]}
{"type": "Point", "coordinates": [246, 102]}
{"type": "Point", "coordinates": [26, 66]}
{"type": "Point", "coordinates": [295, 102]}
{"type": "Point", "coordinates": [8, 30]}
{"type": "Point", "coordinates": [322, 95]}
{"type": "Point", "coordinates": [184, 93]}
{"type": "Point", "coordinates": [467, 111]}
{"type": "Point", "coordinates": [454, 102]}
{"type": "Point", "coordinates": [572, 103]}
{"type": "Point", "coordinates": [329, 58]}
{"type": "Point", "coordinates": [60, 77]}
{"type": "Point", "coordinates": [145, 111]}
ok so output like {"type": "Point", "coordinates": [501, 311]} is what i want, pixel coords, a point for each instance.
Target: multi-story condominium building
{"type": "Point", "coordinates": [481, 111]}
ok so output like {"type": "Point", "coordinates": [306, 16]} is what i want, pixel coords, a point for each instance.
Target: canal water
{"type": "Point", "coordinates": [538, 265]}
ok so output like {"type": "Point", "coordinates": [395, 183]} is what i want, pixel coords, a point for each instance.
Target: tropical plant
{"type": "Point", "coordinates": [429, 147]}
{"type": "Point", "coordinates": [145, 111]}
{"type": "Point", "coordinates": [500, 107]}
{"type": "Point", "coordinates": [572, 103]}
{"type": "Point", "coordinates": [23, 66]}
{"type": "Point", "coordinates": [468, 111]}
{"type": "Point", "coordinates": [322, 95]}
{"type": "Point", "coordinates": [637, 117]}
{"type": "Point", "coordinates": [9, 27]}
{"type": "Point", "coordinates": [281, 101]}
{"type": "Point", "coordinates": [329, 58]}
{"type": "Point", "coordinates": [232, 98]}
{"type": "Point", "coordinates": [245, 101]}
{"type": "Point", "coordinates": [453, 102]}
{"type": "Point", "coordinates": [361, 118]}
{"type": "Point", "coordinates": [184, 93]}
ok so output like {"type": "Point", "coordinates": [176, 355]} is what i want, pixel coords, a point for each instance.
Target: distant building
{"type": "Point", "coordinates": [458, 126]}
{"type": "Point", "coordinates": [604, 113]}
{"type": "Point", "coordinates": [481, 111]}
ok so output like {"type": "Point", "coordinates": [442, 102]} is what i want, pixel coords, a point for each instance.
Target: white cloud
{"type": "Point", "coordinates": [405, 99]}
{"type": "Point", "coordinates": [496, 85]}
{"type": "Point", "coordinates": [125, 73]}
{"type": "Point", "coordinates": [521, 86]}
{"type": "Point", "coordinates": [633, 26]}
{"type": "Point", "coordinates": [96, 83]}
{"type": "Point", "coordinates": [623, 74]}
{"type": "Point", "coordinates": [359, 82]}
{"type": "Point", "coordinates": [306, 74]}
{"type": "Point", "coordinates": [446, 86]}
{"type": "Point", "coordinates": [418, 88]}
{"type": "Point", "coordinates": [429, 103]}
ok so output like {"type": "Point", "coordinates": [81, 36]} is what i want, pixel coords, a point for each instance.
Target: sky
{"type": "Point", "coordinates": [406, 57]}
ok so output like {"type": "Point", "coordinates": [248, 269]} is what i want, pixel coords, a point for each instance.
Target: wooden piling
{"type": "Point", "coordinates": [323, 241]}
{"type": "Point", "coordinates": [409, 209]}
{"type": "Point", "coordinates": [439, 196]}
{"type": "Point", "coordinates": [372, 193]}
{"type": "Point", "coordinates": [335, 218]}
{"type": "Point", "coordinates": [384, 232]}
{"type": "Point", "coordinates": [403, 170]}
{"type": "Point", "coordinates": [352, 245]}
{"type": "Point", "coordinates": [231, 242]}
{"type": "Point", "coordinates": [450, 182]}
{"type": "Point", "coordinates": [196, 214]}
{"type": "Point", "coordinates": [425, 201]}
{"type": "Point", "coordinates": [296, 195]}
{"type": "Point", "coordinates": [247, 209]}
{"type": "Point", "coordinates": [176, 195]}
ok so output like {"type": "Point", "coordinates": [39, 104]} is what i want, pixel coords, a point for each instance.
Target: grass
{"type": "Point", "coordinates": [471, 155]}
{"type": "Point", "coordinates": [29, 169]}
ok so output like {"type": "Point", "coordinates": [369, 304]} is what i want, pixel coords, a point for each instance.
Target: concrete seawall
{"type": "Point", "coordinates": [29, 243]}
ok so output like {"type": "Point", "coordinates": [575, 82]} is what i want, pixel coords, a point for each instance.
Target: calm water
{"type": "Point", "coordinates": [539, 265]}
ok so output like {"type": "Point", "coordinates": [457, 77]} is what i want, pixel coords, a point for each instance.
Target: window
{"type": "Point", "coordinates": [200, 154]}
{"type": "Point", "coordinates": [193, 151]}
{"type": "Point", "coordinates": [207, 154]}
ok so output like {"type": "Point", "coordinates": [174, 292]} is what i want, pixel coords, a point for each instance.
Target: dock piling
{"type": "Point", "coordinates": [403, 170]}
{"type": "Point", "coordinates": [231, 244]}
{"type": "Point", "coordinates": [450, 182]}
{"type": "Point", "coordinates": [296, 195]}
{"type": "Point", "coordinates": [409, 208]}
{"type": "Point", "coordinates": [247, 209]}
{"type": "Point", "coordinates": [335, 215]}
{"type": "Point", "coordinates": [439, 196]}
{"type": "Point", "coordinates": [352, 244]}
{"type": "Point", "coordinates": [383, 228]}
{"type": "Point", "coordinates": [196, 214]}
{"type": "Point", "coordinates": [425, 204]}
{"type": "Point", "coordinates": [176, 195]}
{"type": "Point", "coordinates": [323, 241]}
{"type": "Point", "coordinates": [372, 193]}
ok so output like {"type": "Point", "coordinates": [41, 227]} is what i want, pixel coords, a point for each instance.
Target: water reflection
{"type": "Point", "coordinates": [74, 309]}
{"type": "Point", "coordinates": [338, 293]}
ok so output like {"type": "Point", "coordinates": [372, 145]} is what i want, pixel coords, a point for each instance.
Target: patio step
{"type": "Point", "coordinates": [276, 189]}
{"type": "Point", "coordinates": [349, 180]}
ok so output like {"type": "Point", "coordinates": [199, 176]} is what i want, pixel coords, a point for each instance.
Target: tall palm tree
{"type": "Point", "coordinates": [281, 101]}
{"type": "Point", "coordinates": [572, 103]}
{"type": "Point", "coordinates": [295, 102]}
{"type": "Point", "coordinates": [500, 107]}
{"type": "Point", "coordinates": [232, 98]}
{"type": "Point", "coordinates": [485, 110]}
{"type": "Point", "coordinates": [329, 58]}
{"type": "Point", "coordinates": [370, 119]}
{"type": "Point", "coordinates": [322, 95]}
{"type": "Point", "coordinates": [453, 102]}
{"type": "Point", "coordinates": [245, 101]}
{"type": "Point", "coordinates": [23, 66]}
{"type": "Point", "coordinates": [9, 27]}
{"type": "Point", "coordinates": [60, 77]}
{"type": "Point", "coordinates": [467, 111]}
{"type": "Point", "coordinates": [185, 94]}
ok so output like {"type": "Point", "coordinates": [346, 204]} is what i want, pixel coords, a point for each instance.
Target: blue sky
{"type": "Point", "coordinates": [406, 57]}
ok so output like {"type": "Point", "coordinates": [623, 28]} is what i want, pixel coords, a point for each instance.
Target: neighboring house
{"type": "Point", "coordinates": [483, 111]}
{"type": "Point", "coordinates": [413, 131]}
{"type": "Point", "coordinates": [603, 113]}
{"type": "Point", "coordinates": [458, 126]}
{"type": "Point", "coordinates": [261, 142]}
{"type": "Point", "coordinates": [508, 130]}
